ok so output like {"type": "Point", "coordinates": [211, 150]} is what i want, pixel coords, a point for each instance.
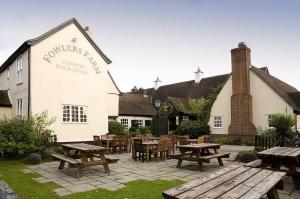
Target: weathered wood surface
{"type": "Point", "coordinates": [232, 182]}
{"type": "Point", "coordinates": [66, 159]}
{"type": "Point", "coordinates": [218, 155]}
{"type": "Point", "coordinates": [85, 147]}
{"type": "Point", "coordinates": [283, 156]}
{"type": "Point", "coordinates": [254, 163]}
{"type": "Point", "coordinates": [281, 152]}
{"type": "Point", "coordinates": [200, 146]}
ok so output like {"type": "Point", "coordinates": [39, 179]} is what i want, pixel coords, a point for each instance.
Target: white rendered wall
{"type": "Point", "coordinates": [5, 113]}
{"type": "Point", "coordinates": [265, 101]}
{"type": "Point", "coordinates": [16, 90]}
{"type": "Point", "coordinates": [222, 107]}
{"type": "Point", "coordinates": [60, 82]}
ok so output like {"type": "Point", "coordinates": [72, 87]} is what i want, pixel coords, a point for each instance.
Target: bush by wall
{"type": "Point", "coordinates": [193, 128]}
{"type": "Point", "coordinates": [115, 127]}
{"type": "Point", "coordinates": [246, 156]}
{"type": "Point", "coordinates": [22, 136]}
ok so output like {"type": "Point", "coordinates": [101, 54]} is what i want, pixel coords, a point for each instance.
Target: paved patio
{"type": "Point", "coordinates": [127, 170]}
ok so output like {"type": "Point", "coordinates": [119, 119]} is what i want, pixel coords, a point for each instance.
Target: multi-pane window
{"type": "Point", "coordinates": [19, 70]}
{"type": "Point", "coordinates": [217, 122]}
{"type": "Point", "coordinates": [74, 114]}
{"type": "Point", "coordinates": [185, 118]}
{"type": "Point", "coordinates": [19, 108]}
{"type": "Point", "coordinates": [148, 122]}
{"type": "Point", "coordinates": [269, 120]}
{"type": "Point", "coordinates": [66, 113]}
{"type": "Point", "coordinates": [124, 122]}
{"type": "Point", "coordinates": [137, 123]}
{"type": "Point", "coordinates": [83, 114]}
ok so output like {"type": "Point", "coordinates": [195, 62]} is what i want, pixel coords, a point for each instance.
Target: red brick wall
{"type": "Point", "coordinates": [241, 100]}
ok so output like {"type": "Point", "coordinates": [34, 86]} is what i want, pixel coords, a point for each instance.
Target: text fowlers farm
{"type": "Point", "coordinates": [70, 48]}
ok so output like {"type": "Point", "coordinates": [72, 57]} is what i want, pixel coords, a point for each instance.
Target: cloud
{"type": "Point", "coordinates": [5, 53]}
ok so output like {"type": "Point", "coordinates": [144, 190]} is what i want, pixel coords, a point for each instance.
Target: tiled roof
{"type": "Point", "coordinates": [281, 88]}
{"type": "Point", "coordinates": [135, 104]}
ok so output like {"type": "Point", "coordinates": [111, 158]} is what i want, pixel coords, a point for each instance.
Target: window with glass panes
{"type": "Point", "coordinates": [217, 121]}
{"type": "Point", "coordinates": [19, 70]}
{"type": "Point", "coordinates": [74, 114]}
{"type": "Point", "coordinates": [19, 110]}
{"type": "Point", "coordinates": [124, 122]}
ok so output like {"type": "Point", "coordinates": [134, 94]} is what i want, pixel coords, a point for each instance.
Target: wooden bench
{"type": "Point", "coordinates": [111, 160]}
{"type": "Point", "coordinates": [64, 159]}
{"type": "Point", "coordinates": [219, 156]}
{"type": "Point", "coordinates": [254, 164]}
{"type": "Point", "coordinates": [234, 181]}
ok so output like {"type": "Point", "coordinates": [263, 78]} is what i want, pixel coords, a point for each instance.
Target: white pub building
{"type": "Point", "coordinates": [65, 73]}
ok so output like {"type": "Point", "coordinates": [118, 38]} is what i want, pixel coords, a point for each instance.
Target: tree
{"type": "Point", "coordinates": [283, 123]}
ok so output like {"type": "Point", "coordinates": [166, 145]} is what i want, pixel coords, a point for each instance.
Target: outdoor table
{"type": "Point", "coordinates": [86, 153]}
{"type": "Point", "coordinates": [200, 153]}
{"type": "Point", "coordinates": [148, 145]}
{"type": "Point", "coordinates": [283, 156]}
{"type": "Point", "coordinates": [235, 181]}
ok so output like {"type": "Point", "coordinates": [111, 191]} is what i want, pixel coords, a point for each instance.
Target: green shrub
{"type": "Point", "coordinates": [192, 128]}
{"type": "Point", "coordinates": [154, 125]}
{"type": "Point", "coordinates": [115, 127]}
{"type": "Point", "coordinates": [144, 130]}
{"type": "Point", "coordinates": [246, 156]}
{"type": "Point", "coordinates": [34, 158]}
{"type": "Point", "coordinates": [22, 136]}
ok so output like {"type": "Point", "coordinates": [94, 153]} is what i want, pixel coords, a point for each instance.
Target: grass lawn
{"type": "Point", "coordinates": [27, 188]}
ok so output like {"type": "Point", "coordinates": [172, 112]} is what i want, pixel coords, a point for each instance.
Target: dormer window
{"type": "Point", "coordinates": [19, 70]}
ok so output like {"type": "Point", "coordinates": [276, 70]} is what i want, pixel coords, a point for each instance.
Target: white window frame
{"type": "Point", "coordinates": [218, 123]}
{"type": "Point", "coordinates": [76, 114]}
{"type": "Point", "coordinates": [7, 74]}
{"type": "Point", "coordinates": [19, 107]}
{"type": "Point", "coordinates": [140, 123]}
{"type": "Point", "coordinates": [269, 117]}
{"type": "Point", "coordinates": [19, 70]}
{"type": "Point", "coordinates": [124, 122]}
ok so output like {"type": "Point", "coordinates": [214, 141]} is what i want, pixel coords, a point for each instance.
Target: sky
{"type": "Point", "coordinates": [168, 38]}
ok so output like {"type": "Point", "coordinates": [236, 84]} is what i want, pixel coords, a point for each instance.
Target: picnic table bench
{"type": "Point", "coordinates": [231, 182]}
{"type": "Point", "coordinates": [199, 153]}
{"type": "Point", "coordinates": [83, 157]}
{"type": "Point", "coordinates": [281, 156]}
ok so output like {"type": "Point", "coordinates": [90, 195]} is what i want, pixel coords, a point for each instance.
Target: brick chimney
{"type": "Point", "coordinates": [241, 101]}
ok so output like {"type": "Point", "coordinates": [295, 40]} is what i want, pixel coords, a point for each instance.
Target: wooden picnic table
{"type": "Point", "coordinates": [199, 153]}
{"type": "Point", "coordinates": [283, 156]}
{"type": "Point", "coordinates": [148, 145]}
{"type": "Point", "coordinates": [231, 182]}
{"type": "Point", "coordinates": [84, 157]}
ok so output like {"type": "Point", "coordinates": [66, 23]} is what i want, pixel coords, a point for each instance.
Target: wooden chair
{"type": "Point", "coordinates": [138, 151]}
{"type": "Point", "coordinates": [97, 140]}
{"type": "Point", "coordinates": [124, 143]}
{"type": "Point", "coordinates": [200, 140]}
{"type": "Point", "coordinates": [182, 140]}
{"type": "Point", "coordinates": [161, 149]}
{"type": "Point", "coordinates": [116, 144]}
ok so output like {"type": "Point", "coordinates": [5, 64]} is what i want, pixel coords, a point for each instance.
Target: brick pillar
{"type": "Point", "coordinates": [241, 101]}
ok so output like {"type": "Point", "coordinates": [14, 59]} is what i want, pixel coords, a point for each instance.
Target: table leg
{"type": "Point", "coordinates": [273, 194]}
{"type": "Point", "coordinates": [105, 163]}
{"type": "Point", "coordinates": [200, 165]}
{"type": "Point", "coordinates": [179, 163]}
{"type": "Point", "coordinates": [148, 152]}
{"type": "Point", "coordinates": [61, 164]}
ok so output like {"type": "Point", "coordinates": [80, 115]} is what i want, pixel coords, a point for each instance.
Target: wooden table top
{"type": "Point", "coordinates": [200, 146]}
{"type": "Point", "coordinates": [85, 147]}
{"type": "Point", "coordinates": [280, 152]}
{"type": "Point", "coordinates": [231, 182]}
